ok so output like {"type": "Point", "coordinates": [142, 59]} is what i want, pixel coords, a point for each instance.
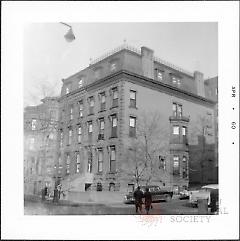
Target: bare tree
{"type": "Point", "coordinates": [142, 153]}
{"type": "Point", "coordinates": [42, 88]}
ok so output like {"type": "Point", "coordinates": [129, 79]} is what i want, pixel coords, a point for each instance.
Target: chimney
{"type": "Point", "coordinates": [198, 76]}
{"type": "Point", "coordinates": [147, 62]}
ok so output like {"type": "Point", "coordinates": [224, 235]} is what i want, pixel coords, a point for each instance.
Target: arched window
{"type": "Point", "coordinates": [111, 187]}
{"type": "Point", "coordinates": [99, 186]}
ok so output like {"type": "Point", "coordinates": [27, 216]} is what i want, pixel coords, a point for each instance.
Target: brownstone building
{"type": "Point", "coordinates": [40, 135]}
{"type": "Point", "coordinates": [100, 109]}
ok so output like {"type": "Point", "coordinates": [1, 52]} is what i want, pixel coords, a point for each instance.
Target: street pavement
{"type": "Point", "coordinates": [174, 206]}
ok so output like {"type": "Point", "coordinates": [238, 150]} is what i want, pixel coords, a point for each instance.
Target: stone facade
{"type": "Point", "coordinates": [91, 155]}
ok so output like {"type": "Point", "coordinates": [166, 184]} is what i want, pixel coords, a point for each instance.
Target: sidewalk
{"type": "Point", "coordinates": [89, 199]}
{"type": "Point", "coordinates": [64, 202]}
{"type": "Point", "coordinates": [61, 202]}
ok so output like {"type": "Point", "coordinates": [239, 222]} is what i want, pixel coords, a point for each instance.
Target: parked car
{"type": "Point", "coordinates": [203, 193]}
{"type": "Point", "coordinates": [158, 194]}
{"type": "Point", "coordinates": [184, 194]}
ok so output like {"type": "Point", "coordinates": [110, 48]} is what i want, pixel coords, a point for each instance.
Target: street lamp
{"type": "Point", "coordinates": [69, 36]}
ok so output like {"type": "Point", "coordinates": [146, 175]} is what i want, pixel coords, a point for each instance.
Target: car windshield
{"type": "Point", "coordinates": [151, 189]}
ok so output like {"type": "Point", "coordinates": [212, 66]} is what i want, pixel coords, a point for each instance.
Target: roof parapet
{"type": "Point", "coordinates": [137, 51]}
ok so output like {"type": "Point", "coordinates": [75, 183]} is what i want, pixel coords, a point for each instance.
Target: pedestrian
{"type": "Point", "coordinates": [55, 195]}
{"type": "Point", "coordinates": [213, 200]}
{"type": "Point", "coordinates": [43, 194]}
{"type": "Point", "coordinates": [46, 191]}
{"type": "Point", "coordinates": [138, 195]}
{"type": "Point", "coordinates": [59, 188]}
{"type": "Point", "coordinates": [148, 200]}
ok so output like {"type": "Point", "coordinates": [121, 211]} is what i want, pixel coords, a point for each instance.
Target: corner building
{"type": "Point", "coordinates": [99, 111]}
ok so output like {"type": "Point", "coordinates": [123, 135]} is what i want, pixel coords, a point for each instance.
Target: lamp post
{"type": "Point", "coordinates": [69, 36]}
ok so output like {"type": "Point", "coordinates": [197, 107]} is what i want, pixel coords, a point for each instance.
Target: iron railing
{"type": "Point", "coordinates": [137, 51]}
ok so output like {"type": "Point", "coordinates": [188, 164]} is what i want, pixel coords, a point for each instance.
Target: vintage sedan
{"type": "Point", "coordinates": [184, 195]}
{"type": "Point", "coordinates": [158, 194]}
{"type": "Point", "coordinates": [203, 193]}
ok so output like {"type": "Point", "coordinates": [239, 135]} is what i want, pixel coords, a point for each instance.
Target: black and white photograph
{"type": "Point", "coordinates": [124, 124]}
{"type": "Point", "coordinates": [129, 127]}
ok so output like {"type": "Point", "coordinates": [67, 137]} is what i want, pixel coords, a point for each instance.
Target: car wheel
{"type": "Point", "coordinates": [168, 198]}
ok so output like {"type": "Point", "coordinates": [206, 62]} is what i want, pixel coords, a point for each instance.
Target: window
{"type": "Point", "coordinates": [31, 143]}
{"type": "Point", "coordinates": [132, 126]}
{"type": "Point", "coordinates": [59, 165]}
{"type": "Point", "coordinates": [61, 138]}
{"type": "Point", "coordinates": [102, 101]}
{"type": "Point", "coordinates": [113, 66]}
{"type": "Point", "coordinates": [98, 73]}
{"type": "Point", "coordinates": [81, 108]}
{"type": "Point", "coordinates": [175, 165]}
{"type": "Point", "coordinates": [52, 114]}
{"type": "Point", "coordinates": [99, 186]}
{"type": "Point", "coordinates": [69, 136]}
{"type": "Point", "coordinates": [184, 134]}
{"type": "Point", "coordinates": [133, 98]}
{"type": "Point", "coordinates": [162, 163]}
{"type": "Point", "coordinates": [176, 81]}
{"type": "Point", "coordinates": [114, 126]}
{"type": "Point", "coordinates": [77, 163]}
{"type": "Point", "coordinates": [71, 113]}
{"type": "Point", "coordinates": [90, 127]}
{"type": "Point", "coordinates": [111, 187]}
{"type": "Point", "coordinates": [115, 97]}
{"type": "Point", "coordinates": [34, 124]}
{"type": "Point", "coordinates": [79, 134]}
{"type": "Point", "coordinates": [184, 130]}
{"type": "Point", "coordinates": [175, 130]}
{"type": "Point", "coordinates": [68, 164]}
{"type": "Point", "coordinates": [62, 114]}
{"type": "Point", "coordinates": [177, 110]}
{"type": "Point", "coordinates": [91, 105]}
{"type": "Point", "coordinates": [51, 136]}
{"type": "Point", "coordinates": [112, 159]}
{"type": "Point", "coordinates": [160, 75]}
{"type": "Point", "coordinates": [184, 167]}
{"type": "Point", "coordinates": [67, 90]}
{"type": "Point", "coordinates": [89, 166]}
{"type": "Point", "coordinates": [101, 129]}
{"type": "Point", "coordinates": [100, 160]}
{"type": "Point", "coordinates": [80, 83]}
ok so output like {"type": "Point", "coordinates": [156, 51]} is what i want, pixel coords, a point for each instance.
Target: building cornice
{"type": "Point", "coordinates": [144, 81]}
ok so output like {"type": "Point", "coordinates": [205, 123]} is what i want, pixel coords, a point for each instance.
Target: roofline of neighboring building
{"type": "Point", "coordinates": [133, 50]}
{"type": "Point", "coordinates": [49, 98]}
{"type": "Point", "coordinates": [145, 81]}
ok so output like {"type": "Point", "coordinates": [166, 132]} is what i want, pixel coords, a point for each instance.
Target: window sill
{"type": "Point", "coordinates": [112, 173]}
{"type": "Point", "coordinates": [102, 110]}
{"type": "Point", "coordinates": [101, 139]}
{"type": "Point", "coordinates": [90, 114]}
{"type": "Point", "coordinates": [112, 137]}
{"type": "Point", "coordinates": [132, 107]}
{"type": "Point", "coordinates": [113, 107]}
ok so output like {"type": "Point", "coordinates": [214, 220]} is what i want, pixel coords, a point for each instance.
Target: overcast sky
{"type": "Point", "coordinates": [48, 57]}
